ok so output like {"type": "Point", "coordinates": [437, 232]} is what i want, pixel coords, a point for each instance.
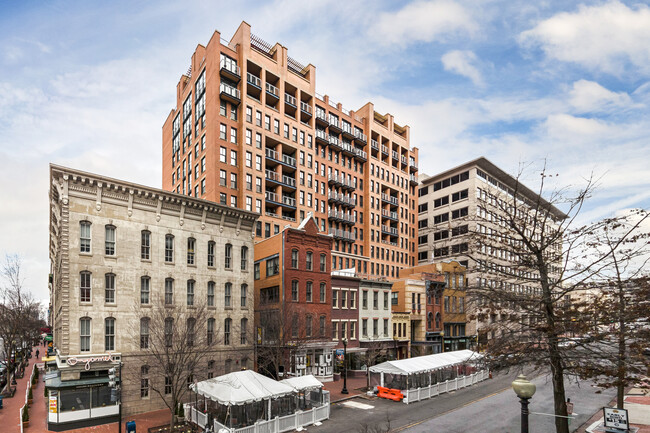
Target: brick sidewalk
{"type": "Point", "coordinates": [11, 412]}
{"type": "Point", "coordinates": [356, 386]}
{"type": "Point", "coordinates": [598, 416]}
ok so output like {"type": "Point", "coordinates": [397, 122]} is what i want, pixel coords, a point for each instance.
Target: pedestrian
{"type": "Point", "coordinates": [37, 352]}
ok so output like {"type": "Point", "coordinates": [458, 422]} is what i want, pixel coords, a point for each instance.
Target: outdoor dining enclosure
{"type": "Point", "coordinates": [247, 402]}
{"type": "Point", "coordinates": [426, 376]}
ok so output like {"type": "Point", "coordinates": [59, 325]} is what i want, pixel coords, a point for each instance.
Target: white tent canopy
{"type": "Point", "coordinates": [421, 364]}
{"type": "Point", "coordinates": [241, 387]}
{"type": "Point", "coordinates": [302, 383]}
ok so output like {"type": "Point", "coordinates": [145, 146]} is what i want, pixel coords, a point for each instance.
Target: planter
{"type": "Point", "coordinates": [25, 423]}
{"type": "Point", "coordinates": [29, 401]}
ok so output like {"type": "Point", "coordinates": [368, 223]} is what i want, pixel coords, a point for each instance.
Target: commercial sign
{"type": "Point", "coordinates": [616, 418]}
{"type": "Point", "coordinates": [53, 404]}
{"type": "Point", "coordinates": [74, 360]}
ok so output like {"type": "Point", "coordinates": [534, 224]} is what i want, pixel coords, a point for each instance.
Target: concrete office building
{"type": "Point", "coordinates": [117, 250]}
{"type": "Point", "coordinates": [248, 130]}
{"type": "Point", "coordinates": [460, 209]}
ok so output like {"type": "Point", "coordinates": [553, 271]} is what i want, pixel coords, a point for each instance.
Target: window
{"type": "Point", "coordinates": [242, 329]}
{"type": "Point", "coordinates": [233, 158]}
{"type": "Point", "coordinates": [168, 385]}
{"type": "Point", "coordinates": [244, 294]}
{"type": "Point", "coordinates": [441, 201]}
{"type": "Point", "coordinates": [109, 292]}
{"type": "Point", "coordinates": [144, 333]}
{"type": "Point", "coordinates": [244, 258]}
{"type": "Point", "coordinates": [169, 331]}
{"type": "Point", "coordinates": [227, 293]}
{"type": "Point", "coordinates": [294, 290]}
{"type": "Point", "coordinates": [84, 286]}
{"type": "Point", "coordinates": [364, 299]}
{"type": "Point", "coordinates": [228, 256]}
{"type": "Point", "coordinates": [294, 259]}
{"type": "Point", "coordinates": [110, 240]}
{"type": "Point", "coordinates": [211, 247]}
{"type": "Point", "coordinates": [272, 266]}
{"type": "Point", "coordinates": [84, 236]}
{"type": "Point", "coordinates": [144, 381]}
{"type": "Point", "coordinates": [309, 263]}
{"type": "Point", "coordinates": [226, 331]}
{"type": "Point", "coordinates": [344, 298]}
{"type": "Point", "coordinates": [308, 324]}
{"type": "Point", "coordinates": [459, 213]}
{"type": "Point", "coordinates": [364, 327]}
{"type": "Point", "coordinates": [190, 292]}
{"type": "Point", "coordinates": [84, 334]}
{"type": "Point", "coordinates": [169, 291]}
{"type": "Point", "coordinates": [109, 334]}
{"type": "Point", "coordinates": [191, 331]}
{"type": "Point", "coordinates": [460, 195]}
{"type": "Point", "coordinates": [375, 300]}
{"type": "Point", "coordinates": [145, 245]}
{"type": "Point", "coordinates": [323, 262]}
{"type": "Point", "coordinates": [375, 328]}
{"type": "Point", "coordinates": [335, 296]}
{"type": "Point", "coordinates": [191, 242]}
{"type": "Point", "coordinates": [385, 300]}
{"type": "Point", "coordinates": [210, 328]}
{"type": "Point", "coordinates": [144, 290]}
{"type": "Point", "coordinates": [385, 327]}
{"type": "Point", "coordinates": [256, 271]}
{"type": "Point", "coordinates": [211, 286]}
{"type": "Point", "coordinates": [353, 299]}
{"type": "Point", "coordinates": [308, 290]}
{"type": "Point", "coordinates": [169, 248]}
{"type": "Point", "coordinates": [322, 326]}
{"type": "Point", "coordinates": [323, 287]}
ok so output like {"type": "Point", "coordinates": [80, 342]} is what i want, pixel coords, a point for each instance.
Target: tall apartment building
{"type": "Point", "coordinates": [121, 255]}
{"type": "Point", "coordinates": [467, 201]}
{"type": "Point", "coordinates": [249, 130]}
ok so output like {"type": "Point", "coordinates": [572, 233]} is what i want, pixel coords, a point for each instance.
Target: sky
{"type": "Point", "coordinates": [88, 84]}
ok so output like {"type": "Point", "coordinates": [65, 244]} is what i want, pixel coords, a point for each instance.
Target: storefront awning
{"type": "Point", "coordinates": [303, 383]}
{"type": "Point", "coordinates": [421, 364]}
{"type": "Point", "coordinates": [241, 387]}
{"type": "Point", "coordinates": [56, 382]}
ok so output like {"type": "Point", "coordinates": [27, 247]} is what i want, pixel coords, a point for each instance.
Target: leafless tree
{"type": "Point", "coordinates": [375, 350]}
{"type": "Point", "coordinates": [174, 343]}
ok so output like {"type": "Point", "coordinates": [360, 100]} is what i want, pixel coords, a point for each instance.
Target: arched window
{"type": "Point", "coordinates": [227, 294]}
{"type": "Point", "coordinates": [438, 320]}
{"type": "Point", "coordinates": [210, 331]}
{"type": "Point", "coordinates": [84, 334]}
{"type": "Point", "coordinates": [169, 331]}
{"type": "Point", "coordinates": [84, 286]}
{"type": "Point", "coordinates": [211, 247]}
{"type": "Point", "coordinates": [84, 236]}
{"type": "Point", "coordinates": [144, 381]}
{"type": "Point", "coordinates": [109, 288]}
{"type": "Point", "coordinates": [190, 292]}
{"type": "Point", "coordinates": [110, 240]}
{"type": "Point", "coordinates": [429, 319]}
{"type": "Point", "coordinates": [145, 245]}
{"type": "Point", "coordinates": [191, 244]}
{"type": "Point", "coordinates": [144, 333]}
{"type": "Point", "coordinates": [191, 331]}
{"type": "Point", "coordinates": [309, 261]}
{"type": "Point", "coordinates": [244, 294]}
{"type": "Point", "coordinates": [226, 331]}
{"type": "Point", "coordinates": [211, 286]}
{"type": "Point", "coordinates": [109, 334]}
{"type": "Point", "coordinates": [243, 328]}
{"type": "Point", "coordinates": [145, 290]}
{"type": "Point", "coordinates": [169, 248]}
{"type": "Point", "coordinates": [294, 259]}
{"type": "Point", "coordinates": [323, 262]}
{"type": "Point", "coordinates": [228, 256]}
{"type": "Point", "coordinates": [169, 291]}
{"type": "Point", "coordinates": [244, 258]}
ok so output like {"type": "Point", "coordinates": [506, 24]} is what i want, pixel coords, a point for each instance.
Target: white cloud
{"type": "Point", "coordinates": [423, 21]}
{"type": "Point", "coordinates": [462, 63]}
{"type": "Point", "coordinates": [604, 38]}
{"type": "Point", "coordinates": [589, 96]}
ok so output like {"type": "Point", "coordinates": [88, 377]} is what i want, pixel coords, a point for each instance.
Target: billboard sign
{"type": "Point", "coordinates": [616, 418]}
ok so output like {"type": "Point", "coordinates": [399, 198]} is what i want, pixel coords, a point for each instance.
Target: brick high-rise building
{"type": "Point", "coordinates": [249, 130]}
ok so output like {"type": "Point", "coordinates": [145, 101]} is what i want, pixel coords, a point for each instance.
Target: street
{"type": "Point", "coordinates": [490, 406]}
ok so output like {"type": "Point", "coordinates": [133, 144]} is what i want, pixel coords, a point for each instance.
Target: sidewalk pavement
{"type": "Point", "coordinates": [356, 386]}
{"type": "Point", "coordinates": [637, 403]}
{"type": "Point", "coordinates": [10, 414]}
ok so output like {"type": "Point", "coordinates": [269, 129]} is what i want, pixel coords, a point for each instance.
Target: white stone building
{"type": "Point", "coordinates": [118, 249]}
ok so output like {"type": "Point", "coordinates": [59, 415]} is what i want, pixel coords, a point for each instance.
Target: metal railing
{"type": "Point", "coordinates": [273, 154]}
{"type": "Point", "coordinates": [305, 107]}
{"type": "Point", "coordinates": [289, 160]}
{"type": "Point", "coordinates": [389, 198]}
{"type": "Point", "coordinates": [289, 201]}
{"type": "Point", "coordinates": [230, 90]}
{"type": "Point", "coordinates": [358, 135]}
{"type": "Point", "coordinates": [270, 88]}
{"type": "Point", "coordinates": [389, 214]}
{"type": "Point", "coordinates": [256, 81]}
{"type": "Point", "coordinates": [230, 66]}
{"type": "Point", "coordinates": [374, 145]}
{"type": "Point", "coordinates": [291, 100]}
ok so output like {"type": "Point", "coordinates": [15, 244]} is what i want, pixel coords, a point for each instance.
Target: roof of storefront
{"type": "Point", "coordinates": [241, 387]}
{"type": "Point", "coordinates": [421, 364]}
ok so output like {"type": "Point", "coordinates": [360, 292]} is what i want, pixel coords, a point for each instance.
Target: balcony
{"type": "Point", "coordinates": [404, 160]}
{"type": "Point", "coordinates": [341, 180]}
{"type": "Point", "coordinates": [391, 243]}
{"type": "Point", "coordinates": [321, 117]}
{"type": "Point", "coordinates": [389, 214]}
{"type": "Point", "coordinates": [253, 80]}
{"type": "Point", "coordinates": [374, 145]}
{"type": "Point", "coordinates": [230, 70]}
{"type": "Point", "coordinates": [413, 179]}
{"type": "Point", "coordinates": [389, 199]}
{"type": "Point", "coordinates": [392, 231]}
{"type": "Point", "coordinates": [272, 198]}
{"type": "Point", "coordinates": [344, 235]}
{"type": "Point", "coordinates": [334, 125]}
{"type": "Point", "coordinates": [273, 155]}
{"type": "Point", "coordinates": [413, 165]}
{"type": "Point", "coordinates": [272, 92]}
{"type": "Point", "coordinates": [347, 131]}
{"type": "Point", "coordinates": [334, 141]}
{"type": "Point", "coordinates": [289, 160]}
{"type": "Point", "coordinates": [395, 155]}
{"type": "Point", "coordinates": [344, 217]}
{"type": "Point", "coordinates": [290, 100]}
{"type": "Point", "coordinates": [384, 149]}
{"type": "Point", "coordinates": [360, 136]}
{"type": "Point", "coordinates": [230, 93]}
{"type": "Point", "coordinates": [347, 148]}
{"type": "Point", "coordinates": [288, 201]}
{"type": "Point", "coordinates": [287, 181]}
{"type": "Point", "coordinates": [305, 108]}
{"type": "Point", "coordinates": [360, 154]}
{"type": "Point", "coordinates": [322, 137]}
{"type": "Point", "coordinates": [343, 199]}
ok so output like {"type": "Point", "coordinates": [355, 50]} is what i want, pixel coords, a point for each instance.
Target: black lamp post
{"type": "Point", "coordinates": [345, 366]}
{"type": "Point", "coordinates": [524, 390]}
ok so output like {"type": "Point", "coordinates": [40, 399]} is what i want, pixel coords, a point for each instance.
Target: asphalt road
{"type": "Point", "coordinates": [490, 406]}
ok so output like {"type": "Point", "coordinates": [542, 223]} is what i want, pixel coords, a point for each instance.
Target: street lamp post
{"type": "Point", "coordinates": [524, 390]}
{"type": "Point", "coordinates": [345, 366]}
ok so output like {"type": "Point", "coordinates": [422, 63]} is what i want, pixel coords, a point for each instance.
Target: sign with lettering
{"type": "Point", "coordinates": [74, 360]}
{"type": "Point", "coordinates": [616, 418]}
{"type": "Point", "coordinates": [52, 404]}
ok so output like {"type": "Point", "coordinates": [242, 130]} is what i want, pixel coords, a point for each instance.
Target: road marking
{"type": "Point", "coordinates": [357, 405]}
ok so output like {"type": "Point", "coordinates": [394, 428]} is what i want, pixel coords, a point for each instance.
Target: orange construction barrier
{"type": "Point", "coordinates": [389, 393]}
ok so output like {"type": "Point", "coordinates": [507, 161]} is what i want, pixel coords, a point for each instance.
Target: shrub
{"type": "Point", "coordinates": [25, 414]}
{"type": "Point", "coordinates": [29, 394]}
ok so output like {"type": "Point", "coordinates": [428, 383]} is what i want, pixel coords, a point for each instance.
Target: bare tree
{"type": "Point", "coordinates": [175, 343]}
{"type": "Point", "coordinates": [375, 350]}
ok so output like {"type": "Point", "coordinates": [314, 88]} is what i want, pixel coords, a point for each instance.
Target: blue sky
{"type": "Point", "coordinates": [89, 84]}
